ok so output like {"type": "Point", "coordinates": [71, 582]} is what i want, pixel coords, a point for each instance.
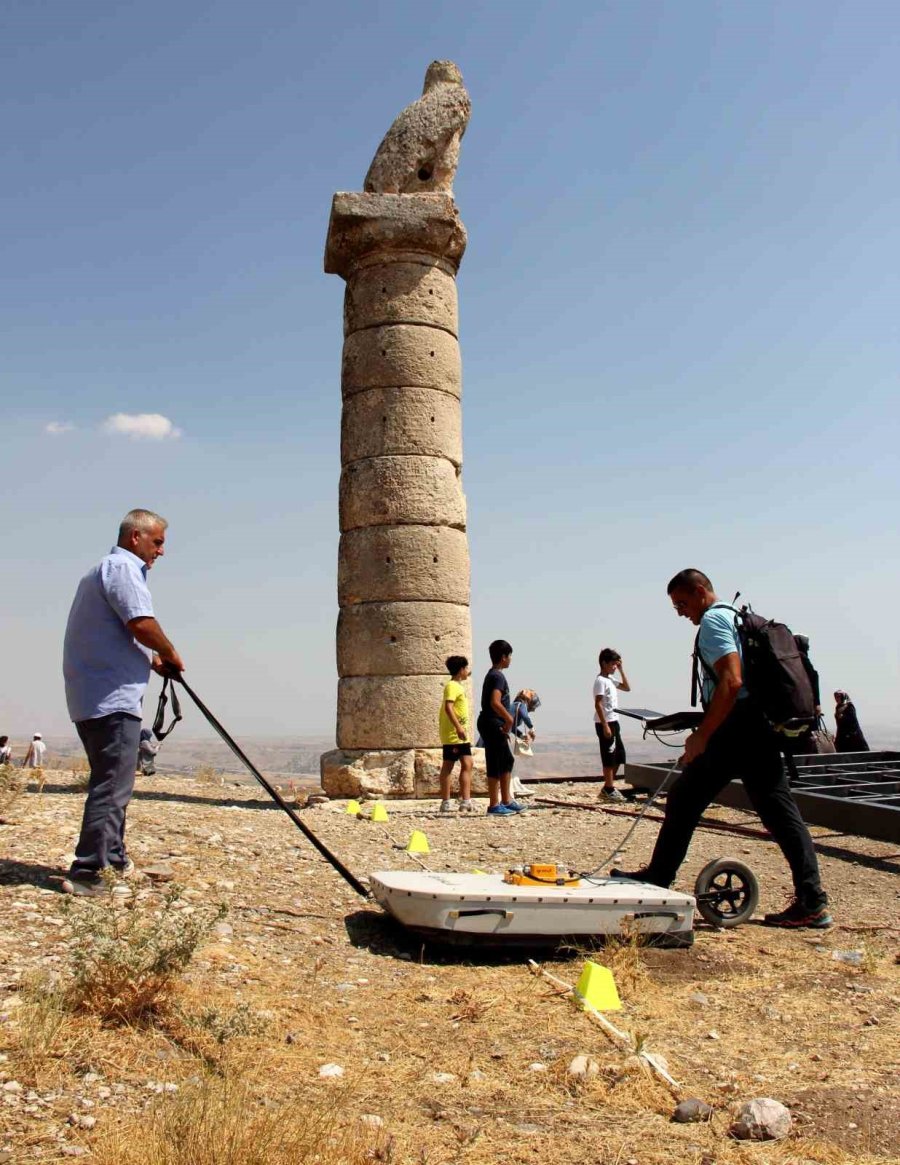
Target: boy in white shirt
{"type": "Point", "coordinates": [37, 750]}
{"type": "Point", "coordinates": [606, 719]}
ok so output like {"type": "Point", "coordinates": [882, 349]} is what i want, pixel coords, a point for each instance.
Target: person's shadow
{"type": "Point", "coordinates": [30, 874]}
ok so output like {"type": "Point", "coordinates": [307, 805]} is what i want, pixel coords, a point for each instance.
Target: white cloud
{"type": "Point", "coordinates": [57, 427]}
{"type": "Point", "coordinates": [142, 426]}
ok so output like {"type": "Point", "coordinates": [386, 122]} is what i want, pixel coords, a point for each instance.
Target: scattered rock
{"type": "Point", "coordinates": [852, 958]}
{"type": "Point", "coordinates": [692, 1110]}
{"type": "Point", "coordinates": [537, 1067]}
{"type": "Point", "coordinates": [159, 872]}
{"type": "Point", "coordinates": [699, 999]}
{"type": "Point", "coordinates": [82, 1122]}
{"type": "Point", "coordinates": [372, 1120]}
{"type": "Point", "coordinates": [12, 1086]}
{"type": "Point", "coordinates": [443, 1077]}
{"type": "Point", "coordinates": [713, 1035]}
{"type": "Point", "coordinates": [331, 1071]}
{"type": "Point", "coordinates": [583, 1067]}
{"type": "Point", "coordinates": [762, 1119]}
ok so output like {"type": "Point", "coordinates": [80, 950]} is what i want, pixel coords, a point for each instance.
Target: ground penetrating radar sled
{"type": "Point", "coordinates": [478, 908]}
{"type": "Point", "coordinates": [492, 908]}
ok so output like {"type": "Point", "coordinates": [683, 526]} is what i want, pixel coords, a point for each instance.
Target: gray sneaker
{"type": "Point", "coordinates": [466, 807]}
{"type": "Point", "coordinates": [446, 807]}
{"type": "Point", "coordinates": [92, 888]}
{"type": "Point", "coordinates": [610, 794]}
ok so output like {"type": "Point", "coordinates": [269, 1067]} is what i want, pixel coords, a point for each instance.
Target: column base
{"type": "Point", "coordinates": [392, 774]}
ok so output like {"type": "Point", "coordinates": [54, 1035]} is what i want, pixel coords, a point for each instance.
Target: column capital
{"type": "Point", "coordinates": [367, 227]}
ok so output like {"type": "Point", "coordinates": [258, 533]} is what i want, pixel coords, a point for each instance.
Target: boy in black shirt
{"type": "Point", "coordinates": [495, 722]}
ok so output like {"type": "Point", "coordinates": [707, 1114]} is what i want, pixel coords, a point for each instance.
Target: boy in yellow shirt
{"type": "Point", "coordinates": [453, 722]}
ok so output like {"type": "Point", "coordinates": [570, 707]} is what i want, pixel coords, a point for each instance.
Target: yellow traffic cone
{"type": "Point", "coordinates": [596, 988]}
{"type": "Point", "coordinates": [418, 843]}
{"type": "Point", "coordinates": [353, 808]}
{"type": "Point", "coordinates": [379, 813]}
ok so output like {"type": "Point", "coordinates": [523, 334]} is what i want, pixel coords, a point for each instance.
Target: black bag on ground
{"type": "Point", "coordinates": [774, 672]}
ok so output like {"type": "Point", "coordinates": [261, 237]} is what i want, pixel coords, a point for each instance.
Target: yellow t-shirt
{"type": "Point", "coordinates": [456, 693]}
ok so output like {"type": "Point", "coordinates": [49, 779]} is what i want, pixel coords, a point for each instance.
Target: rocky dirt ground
{"type": "Point", "coordinates": [444, 1057]}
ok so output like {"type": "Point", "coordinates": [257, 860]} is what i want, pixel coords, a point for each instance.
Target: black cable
{"type": "Point", "coordinates": [326, 853]}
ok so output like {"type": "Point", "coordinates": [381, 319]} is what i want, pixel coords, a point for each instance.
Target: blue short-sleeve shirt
{"type": "Point", "coordinates": [718, 637]}
{"type": "Point", "coordinates": [105, 669]}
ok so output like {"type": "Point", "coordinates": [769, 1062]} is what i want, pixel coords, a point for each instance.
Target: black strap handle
{"type": "Point", "coordinates": [158, 731]}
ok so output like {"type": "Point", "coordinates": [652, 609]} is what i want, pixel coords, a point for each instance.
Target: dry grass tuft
{"type": "Point", "coordinates": [81, 773]}
{"type": "Point", "coordinates": [622, 954]}
{"type": "Point", "coordinates": [47, 1037]}
{"type": "Point", "coordinates": [228, 1121]}
{"type": "Point", "coordinates": [227, 1023]}
{"type": "Point", "coordinates": [12, 786]}
{"type": "Point", "coordinates": [208, 775]}
{"type": "Point", "coordinates": [126, 956]}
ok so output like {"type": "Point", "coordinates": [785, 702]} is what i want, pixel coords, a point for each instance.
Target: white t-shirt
{"type": "Point", "coordinates": [38, 752]}
{"type": "Point", "coordinates": [607, 689]}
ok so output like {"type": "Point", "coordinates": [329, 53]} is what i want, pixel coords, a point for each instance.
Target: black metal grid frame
{"type": "Point", "coordinates": [855, 793]}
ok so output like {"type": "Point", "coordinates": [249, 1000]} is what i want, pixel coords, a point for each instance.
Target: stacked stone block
{"type": "Point", "coordinates": [403, 562]}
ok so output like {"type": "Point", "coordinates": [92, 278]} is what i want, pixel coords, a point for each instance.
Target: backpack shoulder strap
{"type": "Point", "coordinates": [697, 661]}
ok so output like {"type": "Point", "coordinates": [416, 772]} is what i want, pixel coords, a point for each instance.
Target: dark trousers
{"type": "Point", "coordinates": [745, 748]}
{"type": "Point", "coordinates": [111, 743]}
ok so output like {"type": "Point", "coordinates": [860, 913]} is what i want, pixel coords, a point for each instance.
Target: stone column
{"type": "Point", "coordinates": [403, 562]}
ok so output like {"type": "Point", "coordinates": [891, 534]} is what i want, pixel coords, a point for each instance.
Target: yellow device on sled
{"type": "Point", "coordinates": [540, 874]}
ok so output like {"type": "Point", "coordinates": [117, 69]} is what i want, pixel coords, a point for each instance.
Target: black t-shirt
{"type": "Point", "coordinates": [494, 681]}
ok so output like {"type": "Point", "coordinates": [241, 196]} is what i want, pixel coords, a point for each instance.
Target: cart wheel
{"type": "Point", "coordinates": [727, 892]}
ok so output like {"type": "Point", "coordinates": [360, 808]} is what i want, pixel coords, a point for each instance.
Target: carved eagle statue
{"type": "Point", "coordinates": [420, 151]}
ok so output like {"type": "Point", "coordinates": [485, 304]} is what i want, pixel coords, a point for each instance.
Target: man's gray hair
{"type": "Point", "coordinates": [142, 520]}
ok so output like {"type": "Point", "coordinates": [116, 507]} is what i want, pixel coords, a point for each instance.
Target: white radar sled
{"type": "Point", "coordinates": [490, 908]}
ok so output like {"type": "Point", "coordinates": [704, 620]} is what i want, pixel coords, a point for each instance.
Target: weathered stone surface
{"type": "Point", "coordinates": [389, 639]}
{"type": "Point", "coordinates": [421, 149]}
{"type": "Point", "coordinates": [397, 292]}
{"type": "Point", "coordinates": [401, 421]}
{"type": "Point", "coordinates": [692, 1110]}
{"type": "Point", "coordinates": [583, 1068]}
{"type": "Point", "coordinates": [388, 712]}
{"type": "Point", "coordinates": [428, 768]}
{"type": "Point", "coordinates": [762, 1119]}
{"type": "Point", "coordinates": [388, 491]}
{"type": "Point", "coordinates": [401, 356]}
{"type": "Point", "coordinates": [381, 563]}
{"type": "Point", "coordinates": [382, 773]}
{"type": "Point", "coordinates": [366, 225]}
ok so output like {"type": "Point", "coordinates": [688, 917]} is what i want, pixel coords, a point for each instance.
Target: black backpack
{"type": "Point", "coordinates": [774, 672]}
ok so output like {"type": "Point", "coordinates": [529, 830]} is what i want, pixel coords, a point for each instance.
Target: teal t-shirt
{"type": "Point", "coordinates": [718, 637]}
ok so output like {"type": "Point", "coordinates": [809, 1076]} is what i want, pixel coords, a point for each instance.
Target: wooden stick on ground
{"type": "Point", "coordinates": [619, 1038]}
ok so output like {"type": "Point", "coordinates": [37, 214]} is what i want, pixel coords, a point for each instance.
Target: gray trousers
{"type": "Point", "coordinates": [111, 743]}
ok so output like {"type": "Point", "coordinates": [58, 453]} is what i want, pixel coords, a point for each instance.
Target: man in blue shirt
{"type": "Point", "coordinates": [112, 641]}
{"type": "Point", "coordinates": [732, 740]}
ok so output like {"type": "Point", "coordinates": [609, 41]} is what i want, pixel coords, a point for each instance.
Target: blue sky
{"type": "Point", "coordinates": [678, 327]}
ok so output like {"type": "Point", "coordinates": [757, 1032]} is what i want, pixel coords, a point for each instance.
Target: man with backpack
{"type": "Point", "coordinates": [735, 738]}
